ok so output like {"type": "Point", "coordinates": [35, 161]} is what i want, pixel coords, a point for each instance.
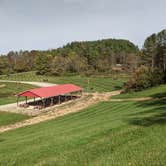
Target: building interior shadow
{"type": "Point", "coordinates": [51, 101]}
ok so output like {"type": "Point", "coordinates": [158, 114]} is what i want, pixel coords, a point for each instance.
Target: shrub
{"type": "Point", "coordinates": [145, 77]}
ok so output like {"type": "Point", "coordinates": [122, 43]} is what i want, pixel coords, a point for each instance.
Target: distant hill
{"type": "Point", "coordinates": [115, 45]}
{"type": "Point", "coordinates": [90, 56]}
{"type": "Point", "coordinates": [99, 48]}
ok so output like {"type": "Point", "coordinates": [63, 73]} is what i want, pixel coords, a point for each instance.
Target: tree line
{"type": "Point", "coordinates": [152, 69]}
{"type": "Point", "coordinates": [77, 57]}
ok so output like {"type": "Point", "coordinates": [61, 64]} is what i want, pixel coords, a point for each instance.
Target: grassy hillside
{"type": "Point", "coordinates": [10, 118]}
{"type": "Point", "coordinates": [155, 92]}
{"type": "Point", "coordinates": [7, 91]}
{"type": "Point", "coordinates": [109, 133]}
{"type": "Point", "coordinates": [98, 83]}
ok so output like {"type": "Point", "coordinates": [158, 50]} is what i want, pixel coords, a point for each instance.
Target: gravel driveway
{"type": "Point", "coordinates": [41, 84]}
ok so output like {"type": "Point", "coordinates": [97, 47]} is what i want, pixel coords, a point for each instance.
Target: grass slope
{"type": "Point", "coordinates": [10, 118]}
{"type": "Point", "coordinates": [98, 83]}
{"type": "Point", "coordinates": [155, 92]}
{"type": "Point", "coordinates": [109, 133]}
{"type": "Point", "coordinates": [9, 89]}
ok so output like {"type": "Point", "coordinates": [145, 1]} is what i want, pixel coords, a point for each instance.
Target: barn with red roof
{"type": "Point", "coordinates": [54, 94]}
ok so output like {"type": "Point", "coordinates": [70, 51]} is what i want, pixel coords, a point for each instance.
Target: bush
{"type": "Point", "coordinates": [144, 78]}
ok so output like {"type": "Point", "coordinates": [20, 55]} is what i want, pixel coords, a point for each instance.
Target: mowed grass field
{"type": "Point", "coordinates": [155, 92]}
{"type": "Point", "coordinates": [8, 90]}
{"type": "Point", "coordinates": [108, 133]}
{"type": "Point", "coordinates": [90, 84]}
{"type": "Point", "coordinates": [11, 118]}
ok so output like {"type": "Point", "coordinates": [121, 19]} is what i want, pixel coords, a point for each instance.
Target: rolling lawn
{"type": "Point", "coordinates": [90, 84]}
{"type": "Point", "coordinates": [108, 133]}
{"type": "Point", "coordinates": [7, 91]}
{"type": "Point", "coordinates": [10, 118]}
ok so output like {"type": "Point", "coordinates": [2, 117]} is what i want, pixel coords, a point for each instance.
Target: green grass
{"type": "Point", "coordinates": [10, 118]}
{"type": "Point", "coordinates": [97, 83]}
{"type": "Point", "coordinates": [108, 133]}
{"type": "Point", "coordinates": [7, 92]}
{"type": "Point", "coordinates": [155, 92]}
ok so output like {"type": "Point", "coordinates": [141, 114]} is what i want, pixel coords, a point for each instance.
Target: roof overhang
{"type": "Point", "coordinates": [46, 92]}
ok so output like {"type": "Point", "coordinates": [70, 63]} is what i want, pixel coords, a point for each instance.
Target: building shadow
{"type": "Point", "coordinates": [53, 100]}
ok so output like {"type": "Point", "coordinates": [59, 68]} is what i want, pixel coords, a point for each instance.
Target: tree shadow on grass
{"type": "Point", "coordinates": [159, 95]}
{"type": "Point", "coordinates": [2, 139]}
{"type": "Point", "coordinates": [154, 112]}
{"type": "Point", "coordinates": [117, 87]}
{"type": "Point", "coordinates": [148, 121]}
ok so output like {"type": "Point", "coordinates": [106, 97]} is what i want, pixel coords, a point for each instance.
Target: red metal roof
{"type": "Point", "coordinates": [51, 91]}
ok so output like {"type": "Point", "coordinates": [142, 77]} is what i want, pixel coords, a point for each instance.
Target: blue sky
{"type": "Point", "coordinates": [47, 24]}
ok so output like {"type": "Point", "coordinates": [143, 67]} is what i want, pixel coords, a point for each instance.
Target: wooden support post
{"type": "Point", "coordinates": [71, 96]}
{"type": "Point", "coordinates": [65, 97]}
{"type": "Point", "coordinates": [26, 99]}
{"type": "Point", "coordinates": [59, 99]}
{"type": "Point", "coordinates": [18, 99]}
{"type": "Point", "coordinates": [43, 101]}
{"type": "Point", "coordinates": [52, 101]}
{"type": "Point", "coordinates": [74, 95]}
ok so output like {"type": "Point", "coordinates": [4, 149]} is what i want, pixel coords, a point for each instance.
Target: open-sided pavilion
{"type": "Point", "coordinates": [58, 91]}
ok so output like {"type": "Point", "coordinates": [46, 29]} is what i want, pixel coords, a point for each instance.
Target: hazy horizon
{"type": "Point", "coordinates": [49, 24]}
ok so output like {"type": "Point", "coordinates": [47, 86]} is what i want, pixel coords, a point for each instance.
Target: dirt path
{"type": "Point", "coordinates": [63, 110]}
{"type": "Point", "coordinates": [133, 99]}
{"type": "Point", "coordinates": [41, 84]}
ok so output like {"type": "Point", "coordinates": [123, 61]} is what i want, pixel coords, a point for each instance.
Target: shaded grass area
{"type": "Point", "coordinates": [108, 133]}
{"type": "Point", "coordinates": [10, 118]}
{"type": "Point", "coordinates": [90, 84]}
{"type": "Point", "coordinates": [8, 90]}
{"type": "Point", "coordinates": [155, 92]}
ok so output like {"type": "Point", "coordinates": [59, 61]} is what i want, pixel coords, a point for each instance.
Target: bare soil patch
{"type": "Point", "coordinates": [133, 99]}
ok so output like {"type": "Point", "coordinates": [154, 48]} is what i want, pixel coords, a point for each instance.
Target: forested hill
{"type": "Point", "coordinates": [100, 46]}
{"type": "Point", "coordinates": [75, 57]}
{"type": "Point", "coordinates": [97, 48]}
